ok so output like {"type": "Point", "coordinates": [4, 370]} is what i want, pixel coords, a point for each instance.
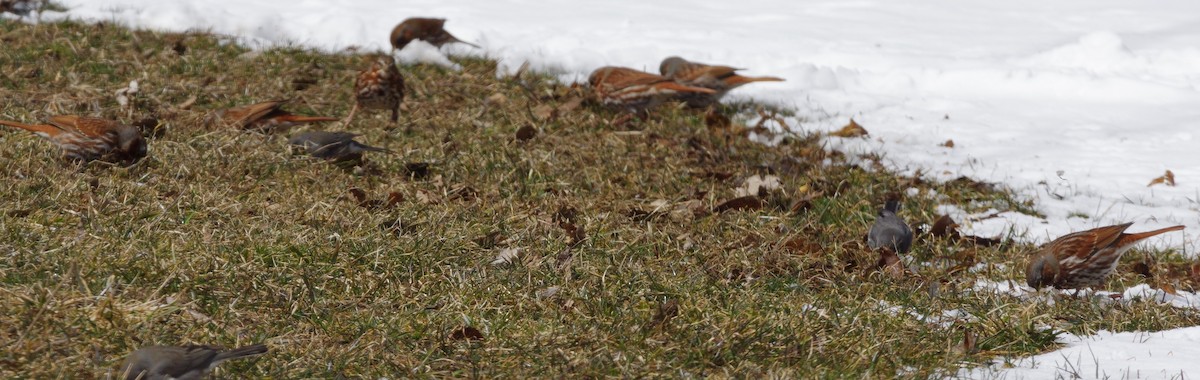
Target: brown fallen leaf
{"type": "Point", "coordinates": [544, 112]}
{"type": "Point", "coordinates": [749, 202]}
{"type": "Point", "coordinates": [496, 99]}
{"type": "Point", "coordinates": [570, 105]}
{"type": "Point", "coordinates": [1167, 287]}
{"type": "Point", "coordinates": [948, 144]}
{"type": "Point", "coordinates": [428, 197]}
{"type": "Point", "coordinates": [562, 261]}
{"type": "Point", "coordinates": [850, 130]}
{"type": "Point", "coordinates": [490, 240]}
{"type": "Point", "coordinates": [462, 193]}
{"type": "Point", "coordinates": [968, 343]}
{"type": "Point", "coordinates": [944, 226]}
{"type": "Point", "coordinates": [394, 198]}
{"type": "Point", "coordinates": [804, 202]}
{"type": "Point", "coordinates": [716, 120]}
{"type": "Point", "coordinates": [709, 173]}
{"type": "Point", "coordinates": [466, 333]}
{"type": "Point", "coordinates": [802, 245]}
{"type": "Point", "coordinates": [666, 311]}
{"type": "Point", "coordinates": [1142, 269]}
{"type": "Point", "coordinates": [417, 170]}
{"type": "Point", "coordinates": [889, 263]}
{"type": "Point", "coordinates": [1166, 179]}
{"type": "Point", "coordinates": [359, 195]}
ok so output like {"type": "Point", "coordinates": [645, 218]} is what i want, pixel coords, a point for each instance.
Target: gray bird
{"type": "Point", "coordinates": [337, 146]}
{"type": "Point", "coordinates": [890, 230]}
{"type": "Point", "coordinates": [182, 363]}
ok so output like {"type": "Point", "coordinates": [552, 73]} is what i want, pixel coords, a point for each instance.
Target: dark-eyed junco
{"type": "Point", "coordinates": [890, 230]}
{"type": "Point", "coordinates": [337, 146]}
{"type": "Point", "coordinates": [180, 362]}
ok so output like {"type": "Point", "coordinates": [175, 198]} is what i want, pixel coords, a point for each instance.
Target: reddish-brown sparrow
{"type": "Point", "coordinates": [265, 117]}
{"type": "Point", "coordinates": [84, 139]}
{"type": "Point", "coordinates": [380, 86]}
{"type": "Point", "coordinates": [719, 78]}
{"type": "Point", "coordinates": [1083, 259]}
{"type": "Point", "coordinates": [635, 90]}
{"type": "Point", "coordinates": [182, 363]}
{"type": "Point", "coordinates": [431, 30]}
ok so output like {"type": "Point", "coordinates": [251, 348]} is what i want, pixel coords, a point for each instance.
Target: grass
{"type": "Point", "coordinates": [621, 269]}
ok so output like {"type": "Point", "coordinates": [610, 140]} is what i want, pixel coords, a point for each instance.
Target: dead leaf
{"type": "Point", "coordinates": [543, 112]}
{"type": "Point", "coordinates": [565, 214]}
{"type": "Point", "coordinates": [496, 99]}
{"type": "Point", "coordinates": [889, 263]}
{"type": "Point", "coordinates": [1166, 179]}
{"type": "Point", "coordinates": [570, 105]}
{"type": "Point", "coordinates": [563, 260]}
{"type": "Point", "coordinates": [427, 197]}
{"type": "Point", "coordinates": [716, 120]}
{"type": "Point", "coordinates": [417, 170]}
{"type": "Point", "coordinates": [466, 333]}
{"type": "Point", "coordinates": [948, 144]}
{"type": "Point", "coordinates": [394, 198]}
{"type": "Point", "coordinates": [1142, 269]}
{"type": "Point", "coordinates": [758, 185]}
{"type": "Point", "coordinates": [506, 256]}
{"type": "Point", "coordinates": [749, 202]}
{"type": "Point", "coordinates": [850, 130]}
{"type": "Point", "coordinates": [547, 293]}
{"type": "Point", "coordinates": [666, 311]}
{"type": "Point", "coordinates": [709, 173]}
{"type": "Point", "coordinates": [1167, 287]}
{"type": "Point", "coordinates": [944, 227]}
{"type": "Point", "coordinates": [802, 245]}
{"type": "Point", "coordinates": [804, 202]}
{"type": "Point", "coordinates": [463, 193]}
{"type": "Point", "coordinates": [526, 132]}
{"type": "Point", "coordinates": [968, 343]}
{"type": "Point", "coordinates": [359, 195]}
{"type": "Point", "coordinates": [490, 240]}
{"type": "Point", "coordinates": [687, 210]}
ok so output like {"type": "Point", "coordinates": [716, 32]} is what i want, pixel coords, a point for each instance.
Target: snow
{"type": "Point", "coordinates": [1127, 355]}
{"type": "Point", "coordinates": [1074, 104]}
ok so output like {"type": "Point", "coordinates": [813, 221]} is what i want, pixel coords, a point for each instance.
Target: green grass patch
{"type": "Point", "coordinates": [620, 267]}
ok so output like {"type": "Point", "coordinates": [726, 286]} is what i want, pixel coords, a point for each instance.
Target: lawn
{"type": "Point", "coordinates": [517, 230]}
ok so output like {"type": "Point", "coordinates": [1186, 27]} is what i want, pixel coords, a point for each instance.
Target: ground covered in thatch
{"type": "Point", "coordinates": [516, 231]}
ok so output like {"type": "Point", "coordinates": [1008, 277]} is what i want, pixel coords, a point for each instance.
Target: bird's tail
{"type": "Point", "coordinates": [42, 129]}
{"type": "Point", "coordinates": [676, 87]}
{"type": "Point", "coordinates": [365, 147]}
{"type": "Point", "coordinates": [455, 39]}
{"type": "Point", "coordinates": [1131, 238]}
{"type": "Point", "coordinates": [738, 80]}
{"type": "Point", "coordinates": [251, 350]}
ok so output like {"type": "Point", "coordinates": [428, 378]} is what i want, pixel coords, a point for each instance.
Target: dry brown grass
{"type": "Point", "coordinates": [621, 269]}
